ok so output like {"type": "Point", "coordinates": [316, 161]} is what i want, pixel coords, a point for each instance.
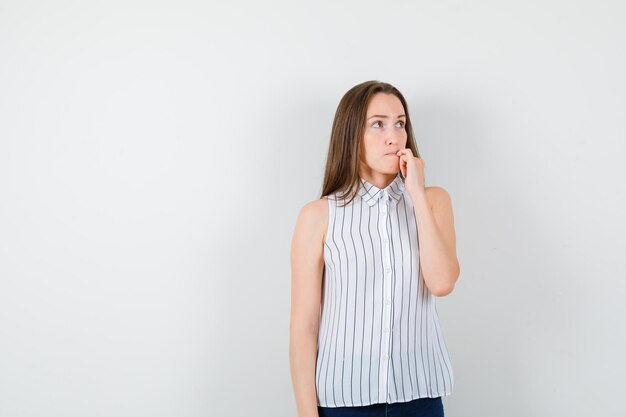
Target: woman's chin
{"type": "Point", "coordinates": [390, 171]}
{"type": "Point", "coordinates": [392, 168]}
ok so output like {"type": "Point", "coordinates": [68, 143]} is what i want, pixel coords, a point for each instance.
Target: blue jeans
{"type": "Point", "coordinates": [420, 407]}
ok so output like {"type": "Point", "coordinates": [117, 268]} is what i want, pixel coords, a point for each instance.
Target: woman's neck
{"type": "Point", "coordinates": [378, 179]}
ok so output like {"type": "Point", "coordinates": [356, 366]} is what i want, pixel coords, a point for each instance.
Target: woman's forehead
{"type": "Point", "coordinates": [385, 104]}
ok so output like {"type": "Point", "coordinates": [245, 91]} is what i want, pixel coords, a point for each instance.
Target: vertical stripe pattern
{"type": "Point", "coordinates": [380, 340]}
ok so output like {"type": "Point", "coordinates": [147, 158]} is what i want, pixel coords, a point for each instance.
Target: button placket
{"type": "Point", "coordinates": [387, 296]}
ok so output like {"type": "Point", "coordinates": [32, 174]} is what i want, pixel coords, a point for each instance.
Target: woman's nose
{"type": "Point", "coordinates": [395, 136]}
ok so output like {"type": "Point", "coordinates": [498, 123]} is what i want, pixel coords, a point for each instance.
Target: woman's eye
{"type": "Point", "coordinates": [401, 124]}
{"type": "Point", "coordinates": [375, 123]}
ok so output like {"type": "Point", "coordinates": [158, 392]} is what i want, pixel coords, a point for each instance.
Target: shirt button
{"type": "Point", "coordinates": [387, 270]}
{"type": "Point", "coordinates": [387, 302]}
{"type": "Point", "coordinates": [386, 330]}
{"type": "Point", "coordinates": [386, 357]}
{"type": "Point", "coordinates": [385, 240]}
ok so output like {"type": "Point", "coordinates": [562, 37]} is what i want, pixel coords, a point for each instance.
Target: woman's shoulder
{"type": "Point", "coordinates": [314, 215]}
{"type": "Point", "coordinates": [436, 194]}
{"type": "Point", "coordinates": [316, 207]}
{"type": "Point", "coordinates": [435, 191]}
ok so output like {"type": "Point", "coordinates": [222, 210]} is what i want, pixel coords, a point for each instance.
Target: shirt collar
{"type": "Point", "coordinates": [371, 194]}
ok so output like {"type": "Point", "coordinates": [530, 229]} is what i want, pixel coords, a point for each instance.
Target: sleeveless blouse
{"type": "Point", "coordinates": [380, 339]}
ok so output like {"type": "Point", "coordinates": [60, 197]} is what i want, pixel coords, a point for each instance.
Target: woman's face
{"type": "Point", "coordinates": [385, 134]}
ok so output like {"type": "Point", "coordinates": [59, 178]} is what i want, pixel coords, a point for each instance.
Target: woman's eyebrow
{"type": "Point", "coordinates": [385, 116]}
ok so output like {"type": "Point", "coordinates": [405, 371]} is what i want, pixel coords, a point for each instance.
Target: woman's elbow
{"type": "Point", "coordinates": [447, 286]}
{"type": "Point", "coordinates": [443, 290]}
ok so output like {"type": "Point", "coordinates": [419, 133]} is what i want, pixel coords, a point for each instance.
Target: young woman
{"type": "Point", "coordinates": [368, 259]}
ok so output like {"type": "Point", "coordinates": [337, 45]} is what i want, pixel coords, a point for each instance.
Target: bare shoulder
{"type": "Point", "coordinates": [313, 217]}
{"type": "Point", "coordinates": [437, 195]}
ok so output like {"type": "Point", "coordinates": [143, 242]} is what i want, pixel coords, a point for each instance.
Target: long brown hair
{"type": "Point", "coordinates": [341, 173]}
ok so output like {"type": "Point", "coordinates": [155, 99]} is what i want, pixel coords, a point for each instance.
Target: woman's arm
{"type": "Point", "coordinates": [437, 240]}
{"type": "Point", "coordinates": [307, 267]}
{"type": "Point", "coordinates": [435, 223]}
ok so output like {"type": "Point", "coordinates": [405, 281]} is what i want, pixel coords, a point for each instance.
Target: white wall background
{"type": "Point", "coordinates": [154, 156]}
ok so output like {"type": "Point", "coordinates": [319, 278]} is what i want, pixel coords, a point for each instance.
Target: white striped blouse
{"type": "Point", "coordinates": [380, 339]}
